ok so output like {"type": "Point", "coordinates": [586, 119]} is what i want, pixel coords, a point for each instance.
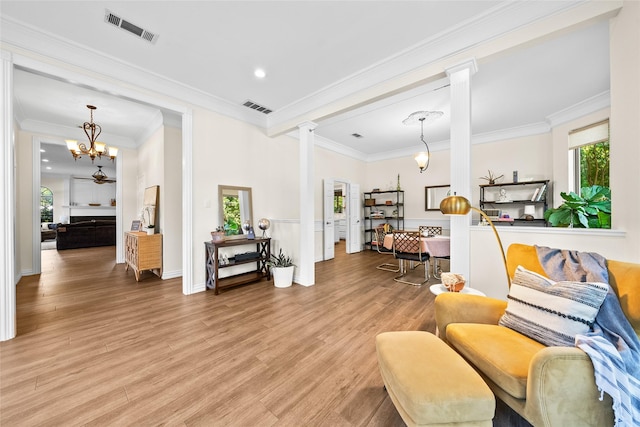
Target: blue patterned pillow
{"type": "Point", "coordinates": [549, 312]}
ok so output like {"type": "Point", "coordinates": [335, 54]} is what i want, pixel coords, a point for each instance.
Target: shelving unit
{"type": "Point", "coordinates": [518, 195]}
{"type": "Point", "coordinates": [213, 265]}
{"type": "Point", "coordinates": [376, 201]}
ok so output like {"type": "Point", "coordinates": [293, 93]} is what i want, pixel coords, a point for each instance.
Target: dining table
{"type": "Point", "coordinates": [435, 246]}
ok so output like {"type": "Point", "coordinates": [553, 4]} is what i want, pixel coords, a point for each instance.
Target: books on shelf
{"type": "Point", "coordinates": [539, 193]}
{"type": "Point", "coordinates": [535, 195]}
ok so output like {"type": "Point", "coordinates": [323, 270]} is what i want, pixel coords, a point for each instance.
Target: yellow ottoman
{"type": "Point", "coordinates": [430, 384]}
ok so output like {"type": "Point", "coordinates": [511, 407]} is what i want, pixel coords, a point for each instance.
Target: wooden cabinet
{"type": "Point", "coordinates": [213, 262]}
{"type": "Point", "coordinates": [142, 252]}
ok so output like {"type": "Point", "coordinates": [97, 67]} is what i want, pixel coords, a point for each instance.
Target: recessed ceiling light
{"type": "Point", "coordinates": [260, 73]}
{"type": "Point", "coordinates": [43, 150]}
{"type": "Point", "coordinates": [48, 168]}
{"type": "Point", "coordinates": [45, 160]}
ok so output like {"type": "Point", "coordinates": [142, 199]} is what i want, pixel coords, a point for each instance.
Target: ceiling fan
{"type": "Point", "coordinates": [99, 177]}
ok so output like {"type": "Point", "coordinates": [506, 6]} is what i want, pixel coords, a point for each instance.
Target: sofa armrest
{"type": "Point", "coordinates": [561, 390]}
{"type": "Point", "coordinates": [462, 308]}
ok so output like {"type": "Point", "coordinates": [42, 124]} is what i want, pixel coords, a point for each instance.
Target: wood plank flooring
{"type": "Point", "coordinates": [95, 347]}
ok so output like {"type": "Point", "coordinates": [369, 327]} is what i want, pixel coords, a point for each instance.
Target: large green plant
{"type": "Point", "coordinates": [590, 209]}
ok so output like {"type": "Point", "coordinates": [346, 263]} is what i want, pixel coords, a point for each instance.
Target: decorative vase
{"type": "Point", "coordinates": [151, 230]}
{"type": "Point", "coordinates": [217, 236]}
{"type": "Point", "coordinates": [282, 276]}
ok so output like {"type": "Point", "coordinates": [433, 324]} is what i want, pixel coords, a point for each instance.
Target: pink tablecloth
{"type": "Point", "coordinates": [436, 246]}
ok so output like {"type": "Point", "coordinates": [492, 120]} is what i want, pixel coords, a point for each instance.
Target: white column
{"type": "Point", "coordinates": [7, 203]}
{"type": "Point", "coordinates": [460, 78]}
{"type": "Point", "coordinates": [306, 266]}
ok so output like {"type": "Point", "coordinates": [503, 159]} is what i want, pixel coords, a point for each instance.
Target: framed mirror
{"type": "Point", "coordinates": [433, 196]}
{"type": "Point", "coordinates": [236, 207]}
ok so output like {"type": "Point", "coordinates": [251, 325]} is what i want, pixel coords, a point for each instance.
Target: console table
{"type": "Point", "coordinates": [143, 251]}
{"type": "Point", "coordinates": [213, 265]}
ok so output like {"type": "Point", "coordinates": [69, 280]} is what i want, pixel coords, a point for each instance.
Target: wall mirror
{"type": "Point", "coordinates": [433, 196]}
{"type": "Point", "coordinates": [236, 207]}
{"type": "Point", "coordinates": [150, 205]}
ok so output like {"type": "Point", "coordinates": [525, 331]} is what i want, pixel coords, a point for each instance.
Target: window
{"type": "Point", "coordinates": [589, 156]}
{"type": "Point", "coordinates": [46, 205]}
{"type": "Point", "coordinates": [338, 202]}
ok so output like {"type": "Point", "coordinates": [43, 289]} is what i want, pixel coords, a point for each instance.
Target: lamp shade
{"type": "Point", "coordinates": [422, 158]}
{"type": "Point", "coordinates": [455, 205]}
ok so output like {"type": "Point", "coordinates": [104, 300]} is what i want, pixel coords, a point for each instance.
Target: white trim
{"type": "Point", "coordinates": [188, 266]}
{"type": "Point", "coordinates": [306, 268]}
{"type": "Point", "coordinates": [35, 205]}
{"type": "Point", "coordinates": [581, 109]}
{"type": "Point", "coordinates": [7, 203]}
{"type": "Point", "coordinates": [171, 274]}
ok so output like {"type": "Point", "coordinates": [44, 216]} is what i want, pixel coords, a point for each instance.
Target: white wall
{"type": "Point", "coordinates": [230, 152]}
{"type": "Point", "coordinates": [171, 203]}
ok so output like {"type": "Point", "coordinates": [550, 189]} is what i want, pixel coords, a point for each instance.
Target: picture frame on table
{"type": "Point", "coordinates": [135, 225]}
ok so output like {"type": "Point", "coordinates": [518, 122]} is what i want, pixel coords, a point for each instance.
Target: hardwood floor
{"type": "Point", "coordinates": [95, 347]}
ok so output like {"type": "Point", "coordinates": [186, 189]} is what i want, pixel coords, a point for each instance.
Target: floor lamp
{"type": "Point", "coordinates": [459, 205]}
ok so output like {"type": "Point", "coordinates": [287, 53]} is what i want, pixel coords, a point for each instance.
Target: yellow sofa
{"type": "Point", "coordinates": [548, 386]}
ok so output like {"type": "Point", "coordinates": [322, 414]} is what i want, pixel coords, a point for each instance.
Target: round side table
{"type": "Point", "coordinates": [439, 288]}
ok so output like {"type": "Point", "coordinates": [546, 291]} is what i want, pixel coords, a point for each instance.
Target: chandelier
{"type": "Point", "coordinates": [423, 157]}
{"type": "Point", "coordinates": [95, 148]}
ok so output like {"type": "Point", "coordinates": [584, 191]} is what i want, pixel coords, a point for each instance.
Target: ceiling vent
{"type": "Point", "coordinates": [257, 107]}
{"type": "Point", "coordinates": [356, 135]}
{"type": "Point", "coordinates": [141, 33]}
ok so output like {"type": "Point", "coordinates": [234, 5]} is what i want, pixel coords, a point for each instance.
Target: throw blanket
{"type": "Point", "coordinates": [613, 345]}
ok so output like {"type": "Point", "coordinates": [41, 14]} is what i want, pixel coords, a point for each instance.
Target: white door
{"type": "Point", "coordinates": [354, 240]}
{"type": "Point", "coordinates": [328, 223]}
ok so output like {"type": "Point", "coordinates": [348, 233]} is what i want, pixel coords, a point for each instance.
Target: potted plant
{"type": "Point", "coordinates": [282, 269]}
{"type": "Point", "coordinates": [590, 209]}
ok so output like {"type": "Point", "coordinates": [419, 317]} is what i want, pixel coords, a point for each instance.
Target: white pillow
{"type": "Point", "coordinates": [549, 312]}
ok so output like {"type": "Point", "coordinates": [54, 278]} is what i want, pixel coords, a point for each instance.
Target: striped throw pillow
{"type": "Point", "coordinates": [549, 312]}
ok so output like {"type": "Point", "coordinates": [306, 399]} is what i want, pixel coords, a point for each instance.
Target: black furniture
{"type": "Point", "coordinates": [86, 234]}
{"type": "Point", "coordinates": [259, 258]}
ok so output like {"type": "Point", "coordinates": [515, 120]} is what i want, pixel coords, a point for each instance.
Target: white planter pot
{"type": "Point", "coordinates": [151, 230]}
{"type": "Point", "coordinates": [282, 276]}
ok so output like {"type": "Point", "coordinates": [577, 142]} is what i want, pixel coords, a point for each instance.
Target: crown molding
{"type": "Point", "coordinates": [428, 60]}
{"type": "Point", "coordinates": [588, 106]}
{"type": "Point", "coordinates": [27, 40]}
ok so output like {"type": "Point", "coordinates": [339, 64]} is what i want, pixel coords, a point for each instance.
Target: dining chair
{"type": "Point", "coordinates": [407, 247]}
{"type": "Point", "coordinates": [378, 243]}
{"type": "Point", "coordinates": [431, 231]}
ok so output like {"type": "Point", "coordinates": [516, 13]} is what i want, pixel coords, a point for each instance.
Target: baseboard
{"type": "Point", "coordinates": [171, 274]}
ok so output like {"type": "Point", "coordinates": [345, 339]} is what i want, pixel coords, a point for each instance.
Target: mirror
{"type": "Point", "coordinates": [433, 196]}
{"type": "Point", "coordinates": [150, 204]}
{"type": "Point", "coordinates": [235, 208]}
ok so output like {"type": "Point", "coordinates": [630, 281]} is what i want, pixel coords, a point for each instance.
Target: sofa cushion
{"type": "Point", "coordinates": [552, 313]}
{"type": "Point", "coordinates": [501, 354]}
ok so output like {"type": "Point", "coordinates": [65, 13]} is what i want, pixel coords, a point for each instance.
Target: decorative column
{"type": "Point", "coordinates": [7, 203]}
{"type": "Point", "coordinates": [306, 266]}
{"type": "Point", "coordinates": [460, 79]}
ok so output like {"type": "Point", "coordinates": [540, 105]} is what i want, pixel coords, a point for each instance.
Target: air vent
{"type": "Point", "coordinates": [112, 19]}
{"type": "Point", "coordinates": [356, 135]}
{"type": "Point", "coordinates": [257, 107]}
